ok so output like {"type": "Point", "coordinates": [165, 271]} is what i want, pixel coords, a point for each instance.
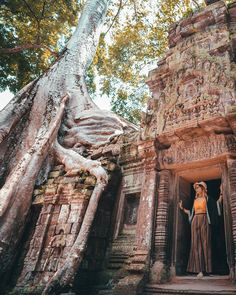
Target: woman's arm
{"type": "Point", "coordinates": [219, 204]}
{"type": "Point", "coordinates": [183, 209]}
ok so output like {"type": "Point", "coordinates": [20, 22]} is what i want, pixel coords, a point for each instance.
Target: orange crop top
{"type": "Point", "coordinates": [200, 205]}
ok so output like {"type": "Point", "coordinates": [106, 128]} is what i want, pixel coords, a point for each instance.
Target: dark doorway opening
{"type": "Point", "coordinates": [131, 204]}
{"type": "Point", "coordinates": [218, 246]}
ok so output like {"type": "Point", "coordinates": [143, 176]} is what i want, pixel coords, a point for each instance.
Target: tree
{"type": "Point", "coordinates": [135, 36]}
{"type": "Point", "coordinates": [57, 101]}
{"type": "Point", "coordinates": [138, 39]}
{"type": "Point", "coordinates": [27, 55]}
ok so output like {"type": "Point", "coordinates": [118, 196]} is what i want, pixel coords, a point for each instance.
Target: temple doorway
{"type": "Point", "coordinates": [131, 204]}
{"type": "Point", "coordinates": [183, 228]}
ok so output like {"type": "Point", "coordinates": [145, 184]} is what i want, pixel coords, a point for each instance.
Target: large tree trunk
{"type": "Point", "coordinates": [29, 127]}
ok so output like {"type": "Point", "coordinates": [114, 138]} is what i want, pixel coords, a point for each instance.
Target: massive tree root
{"type": "Point", "coordinates": [15, 196]}
{"type": "Point", "coordinates": [28, 132]}
{"type": "Point", "coordinates": [65, 275]}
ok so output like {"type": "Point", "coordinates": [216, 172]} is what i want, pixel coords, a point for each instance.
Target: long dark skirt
{"type": "Point", "coordinates": [200, 252]}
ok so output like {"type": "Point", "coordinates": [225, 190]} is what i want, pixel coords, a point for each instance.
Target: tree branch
{"type": "Point", "coordinates": [196, 4]}
{"type": "Point", "coordinates": [31, 10]}
{"type": "Point", "coordinates": [135, 8]}
{"type": "Point", "coordinates": [43, 10]}
{"type": "Point", "coordinates": [26, 47]}
{"type": "Point", "coordinates": [115, 17]}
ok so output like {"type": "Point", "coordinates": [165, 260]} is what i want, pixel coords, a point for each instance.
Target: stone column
{"type": "Point", "coordinates": [159, 271]}
{"type": "Point", "coordinates": [231, 163]}
{"type": "Point", "coordinates": [144, 231]}
{"type": "Point", "coordinates": [139, 262]}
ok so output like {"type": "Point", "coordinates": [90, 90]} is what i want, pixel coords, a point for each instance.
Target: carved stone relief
{"type": "Point", "coordinates": [201, 148]}
{"type": "Point", "coordinates": [195, 82]}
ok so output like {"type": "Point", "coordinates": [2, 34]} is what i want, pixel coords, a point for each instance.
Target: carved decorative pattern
{"type": "Point", "coordinates": [162, 217]}
{"type": "Point", "coordinates": [195, 81]}
{"type": "Point", "coordinates": [232, 182]}
{"type": "Point", "coordinates": [201, 148]}
{"type": "Point", "coordinates": [64, 200]}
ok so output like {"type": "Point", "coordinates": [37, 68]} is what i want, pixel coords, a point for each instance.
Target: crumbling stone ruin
{"type": "Point", "coordinates": [139, 239]}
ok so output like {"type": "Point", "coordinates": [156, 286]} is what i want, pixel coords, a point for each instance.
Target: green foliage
{"type": "Point", "coordinates": [46, 23]}
{"type": "Point", "coordinates": [138, 38]}
{"type": "Point", "coordinates": [135, 37]}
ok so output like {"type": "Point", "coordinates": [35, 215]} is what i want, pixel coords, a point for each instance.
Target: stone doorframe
{"type": "Point", "coordinates": [227, 172]}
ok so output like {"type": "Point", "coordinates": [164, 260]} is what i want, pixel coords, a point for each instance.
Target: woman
{"type": "Point", "coordinates": [200, 217]}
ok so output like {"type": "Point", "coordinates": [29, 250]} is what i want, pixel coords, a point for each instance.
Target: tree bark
{"type": "Point", "coordinates": [28, 132]}
{"type": "Point", "coordinates": [29, 127]}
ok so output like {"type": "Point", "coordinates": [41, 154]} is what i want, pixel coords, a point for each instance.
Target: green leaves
{"type": "Point", "coordinates": [47, 24]}
{"type": "Point", "coordinates": [134, 38]}
{"type": "Point", "coordinates": [132, 46]}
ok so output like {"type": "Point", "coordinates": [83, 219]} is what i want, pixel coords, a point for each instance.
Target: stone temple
{"type": "Point", "coordinates": [140, 240]}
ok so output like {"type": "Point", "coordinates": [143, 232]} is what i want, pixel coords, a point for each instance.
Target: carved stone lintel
{"type": "Point", "coordinates": [202, 148]}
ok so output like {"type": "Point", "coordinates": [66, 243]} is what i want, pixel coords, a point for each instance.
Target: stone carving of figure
{"type": "Point", "coordinates": [204, 213]}
{"type": "Point", "coordinates": [57, 244]}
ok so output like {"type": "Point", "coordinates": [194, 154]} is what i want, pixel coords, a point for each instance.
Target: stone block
{"type": "Point", "coordinates": [50, 199]}
{"type": "Point", "coordinates": [75, 228]}
{"type": "Point", "coordinates": [54, 219]}
{"type": "Point", "coordinates": [38, 191]}
{"type": "Point", "coordinates": [70, 240]}
{"type": "Point", "coordinates": [38, 200]}
{"type": "Point", "coordinates": [43, 218]}
{"type": "Point", "coordinates": [76, 206]}
{"type": "Point", "coordinates": [90, 180]}
{"type": "Point", "coordinates": [67, 179]}
{"type": "Point", "coordinates": [55, 174]}
{"type": "Point", "coordinates": [51, 189]}
{"type": "Point", "coordinates": [159, 273]}
{"type": "Point", "coordinates": [232, 13]}
{"type": "Point", "coordinates": [51, 230]}
{"type": "Point", "coordinates": [78, 197]}
{"type": "Point", "coordinates": [38, 230]}
{"type": "Point", "coordinates": [66, 228]}
{"type": "Point", "coordinates": [66, 251]}
{"type": "Point", "coordinates": [64, 199]}
{"type": "Point", "coordinates": [46, 209]}
{"type": "Point", "coordinates": [74, 216]}
{"type": "Point", "coordinates": [64, 213]}
{"type": "Point", "coordinates": [66, 188]}
{"type": "Point", "coordinates": [56, 208]}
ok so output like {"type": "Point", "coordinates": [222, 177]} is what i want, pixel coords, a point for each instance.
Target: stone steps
{"type": "Point", "coordinates": [192, 286]}
{"type": "Point", "coordinates": [121, 251]}
{"type": "Point", "coordinates": [159, 291]}
{"type": "Point", "coordinates": [105, 292]}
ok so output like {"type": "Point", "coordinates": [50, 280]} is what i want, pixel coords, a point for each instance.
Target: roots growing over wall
{"type": "Point", "coordinates": [29, 132]}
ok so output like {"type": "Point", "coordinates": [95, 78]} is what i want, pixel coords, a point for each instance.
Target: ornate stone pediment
{"type": "Point", "coordinates": [195, 82]}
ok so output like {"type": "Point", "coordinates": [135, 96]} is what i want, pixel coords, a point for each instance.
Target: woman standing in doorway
{"type": "Point", "coordinates": [200, 252]}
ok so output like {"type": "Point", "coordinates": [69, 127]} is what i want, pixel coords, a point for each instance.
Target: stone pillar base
{"type": "Point", "coordinates": [130, 285]}
{"type": "Point", "coordinates": [159, 273]}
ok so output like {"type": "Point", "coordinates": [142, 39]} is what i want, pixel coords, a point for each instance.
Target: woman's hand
{"type": "Point", "coordinates": [182, 208]}
{"type": "Point", "coordinates": [181, 205]}
{"type": "Point", "coordinates": [220, 200]}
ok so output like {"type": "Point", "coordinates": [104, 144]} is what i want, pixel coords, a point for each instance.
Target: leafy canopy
{"type": "Point", "coordinates": [27, 22]}
{"type": "Point", "coordinates": [134, 38]}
